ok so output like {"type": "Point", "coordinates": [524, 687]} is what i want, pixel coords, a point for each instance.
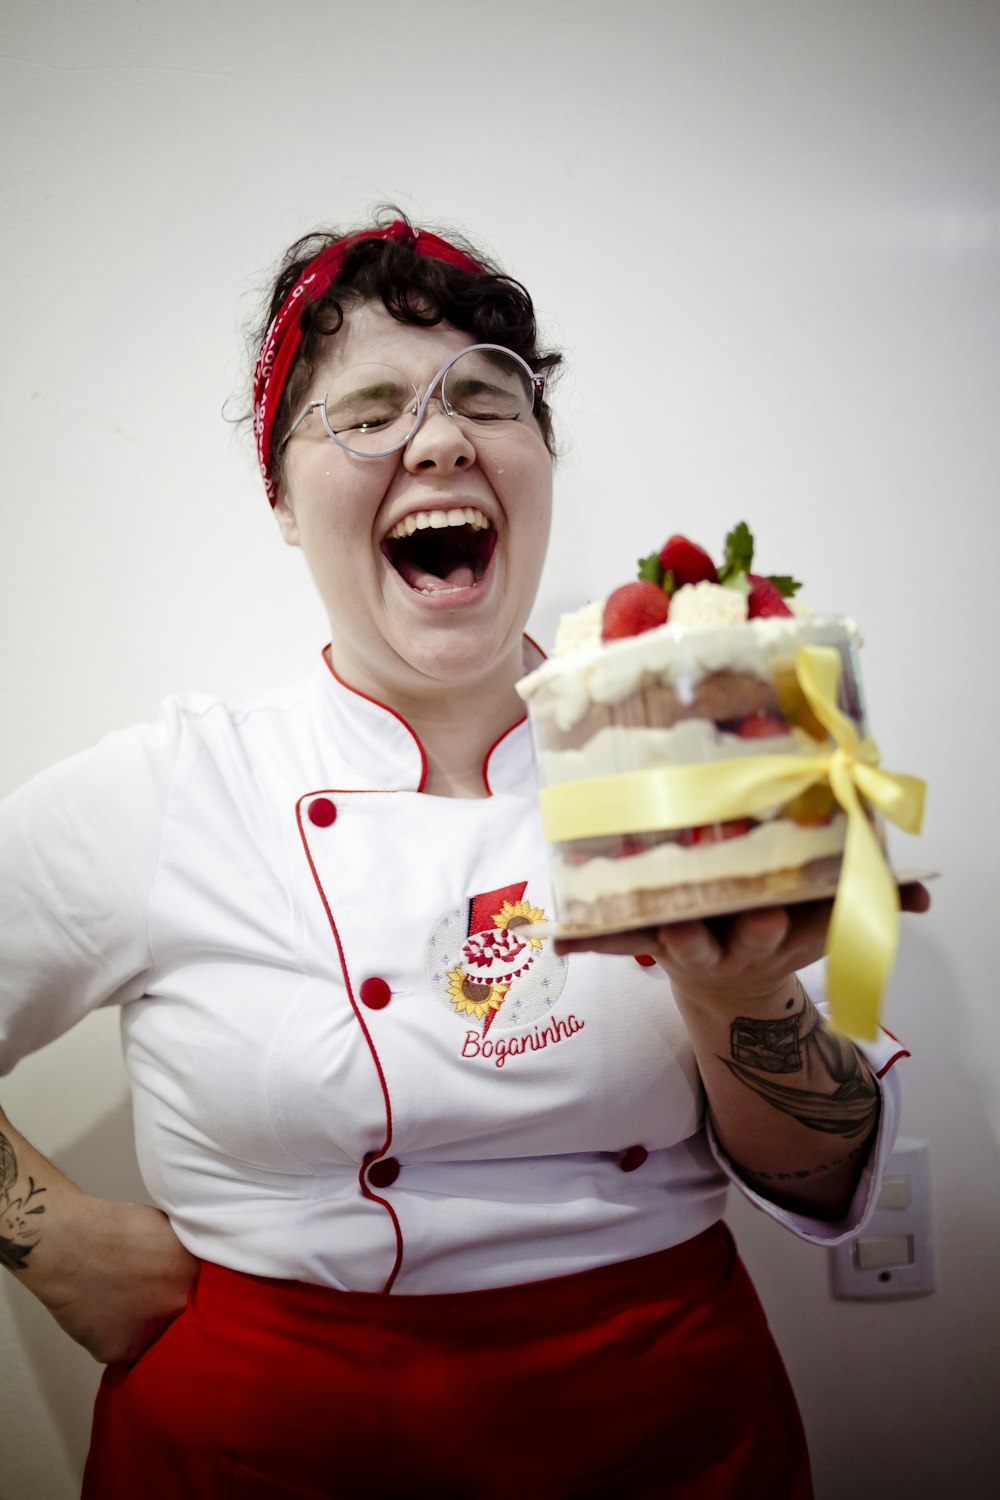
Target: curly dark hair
{"type": "Point", "coordinates": [413, 288]}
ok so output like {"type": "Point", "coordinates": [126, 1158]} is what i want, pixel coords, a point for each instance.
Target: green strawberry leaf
{"type": "Point", "coordinates": [739, 552]}
{"type": "Point", "coordinates": [738, 582]}
{"type": "Point", "coordinates": [651, 569]}
{"type": "Point", "coordinates": [786, 586]}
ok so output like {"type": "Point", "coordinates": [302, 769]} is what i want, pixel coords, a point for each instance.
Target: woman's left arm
{"type": "Point", "coordinates": [793, 1104]}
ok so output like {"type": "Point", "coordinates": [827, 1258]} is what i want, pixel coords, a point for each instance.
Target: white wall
{"type": "Point", "coordinates": [768, 236]}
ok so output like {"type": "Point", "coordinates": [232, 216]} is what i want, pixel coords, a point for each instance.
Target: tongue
{"type": "Point", "coordinates": [461, 577]}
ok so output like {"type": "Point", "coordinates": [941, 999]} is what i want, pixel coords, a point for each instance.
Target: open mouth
{"type": "Point", "coordinates": [441, 551]}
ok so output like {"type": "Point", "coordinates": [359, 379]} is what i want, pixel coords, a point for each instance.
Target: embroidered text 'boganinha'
{"type": "Point", "coordinates": [497, 1049]}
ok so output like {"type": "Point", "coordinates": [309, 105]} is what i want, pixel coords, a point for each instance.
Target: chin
{"type": "Point", "coordinates": [460, 651]}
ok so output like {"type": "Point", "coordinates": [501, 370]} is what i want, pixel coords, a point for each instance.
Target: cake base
{"type": "Point", "coordinates": [717, 898]}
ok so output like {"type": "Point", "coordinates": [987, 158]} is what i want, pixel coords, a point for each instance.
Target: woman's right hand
{"type": "Point", "coordinates": [113, 1275]}
{"type": "Point", "coordinates": [122, 1283]}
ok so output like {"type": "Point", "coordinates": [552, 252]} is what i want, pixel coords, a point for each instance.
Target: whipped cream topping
{"type": "Point", "coordinates": [580, 630]}
{"type": "Point", "coordinates": [677, 656]}
{"type": "Point", "coordinates": [708, 604]}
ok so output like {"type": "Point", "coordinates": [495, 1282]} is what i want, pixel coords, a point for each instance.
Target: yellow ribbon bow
{"type": "Point", "coordinates": [864, 927]}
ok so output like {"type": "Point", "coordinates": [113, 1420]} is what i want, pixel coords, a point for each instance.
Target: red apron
{"type": "Point", "coordinates": [656, 1377]}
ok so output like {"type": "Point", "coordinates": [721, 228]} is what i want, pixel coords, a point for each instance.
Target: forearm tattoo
{"type": "Point", "coordinates": [800, 1174]}
{"type": "Point", "coordinates": [20, 1213]}
{"type": "Point", "coordinates": [762, 1051]}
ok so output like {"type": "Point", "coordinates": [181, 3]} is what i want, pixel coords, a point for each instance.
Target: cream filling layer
{"type": "Point", "coordinates": [618, 749]}
{"type": "Point", "coordinates": [778, 845]}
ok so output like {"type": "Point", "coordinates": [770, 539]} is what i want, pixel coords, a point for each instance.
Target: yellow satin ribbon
{"type": "Point", "coordinates": [864, 926]}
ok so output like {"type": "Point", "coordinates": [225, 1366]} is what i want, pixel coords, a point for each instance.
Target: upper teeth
{"type": "Point", "coordinates": [420, 520]}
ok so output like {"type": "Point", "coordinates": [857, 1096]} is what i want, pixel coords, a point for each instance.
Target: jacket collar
{"type": "Point", "coordinates": [385, 753]}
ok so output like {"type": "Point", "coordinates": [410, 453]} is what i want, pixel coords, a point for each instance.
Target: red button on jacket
{"type": "Point", "coordinates": [375, 993]}
{"type": "Point", "coordinates": [322, 812]}
{"type": "Point", "coordinates": [633, 1158]}
{"type": "Point", "coordinates": [383, 1173]}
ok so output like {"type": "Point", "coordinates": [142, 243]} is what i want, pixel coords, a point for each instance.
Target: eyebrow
{"type": "Point", "coordinates": [475, 383]}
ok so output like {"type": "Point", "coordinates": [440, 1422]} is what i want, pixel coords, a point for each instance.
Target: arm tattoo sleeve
{"type": "Point", "coordinates": [761, 1052]}
{"type": "Point", "coordinates": [20, 1229]}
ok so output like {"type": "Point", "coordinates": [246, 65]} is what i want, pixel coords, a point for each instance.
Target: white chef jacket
{"type": "Point", "coordinates": [346, 1066]}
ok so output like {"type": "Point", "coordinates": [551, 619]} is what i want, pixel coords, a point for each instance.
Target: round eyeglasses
{"type": "Point", "coordinates": [373, 410]}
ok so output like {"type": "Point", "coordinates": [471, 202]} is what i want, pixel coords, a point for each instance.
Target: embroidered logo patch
{"type": "Point", "coordinates": [484, 971]}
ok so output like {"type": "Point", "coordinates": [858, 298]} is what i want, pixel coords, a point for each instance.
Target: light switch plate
{"type": "Point", "coordinates": [874, 1263]}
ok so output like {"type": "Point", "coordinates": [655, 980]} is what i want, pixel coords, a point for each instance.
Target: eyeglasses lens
{"type": "Point", "coordinates": [372, 409]}
{"type": "Point", "coordinates": [488, 385]}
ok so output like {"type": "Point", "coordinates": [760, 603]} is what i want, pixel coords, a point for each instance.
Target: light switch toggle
{"type": "Point", "coordinates": [895, 1193]}
{"type": "Point", "coordinates": [882, 1252]}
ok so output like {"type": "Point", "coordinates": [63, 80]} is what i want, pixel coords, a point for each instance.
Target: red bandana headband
{"type": "Point", "coordinates": [281, 346]}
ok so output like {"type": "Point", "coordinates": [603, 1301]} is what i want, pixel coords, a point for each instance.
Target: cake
{"type": "Point", "coordinates": [692, 665]}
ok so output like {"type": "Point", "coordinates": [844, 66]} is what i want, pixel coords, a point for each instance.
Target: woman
{"type": "Point", "coordinates": [438, 1212]}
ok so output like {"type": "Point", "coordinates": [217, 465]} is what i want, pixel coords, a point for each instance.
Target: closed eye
{"type": "Point", "coordinates": [369, 407]}
{"type": "Point", "coordinates": [483, 401]}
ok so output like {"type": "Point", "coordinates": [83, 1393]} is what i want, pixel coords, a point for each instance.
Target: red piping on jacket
{"type": "Point", "coordinates": [365, 1189]}
{"type": "Point", "coordinates": [903, 1052]}
{"type": "Point", "coordinates": [369, 699]}
{"type": "Point", "coordinates": [489, 753]}
{"type": "Point", "coordinates": [893, 1059]}
{"type": "Point", "coordinates": [516, 725]}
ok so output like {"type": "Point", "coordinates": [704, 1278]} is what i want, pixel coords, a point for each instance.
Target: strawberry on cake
{"type": "Point", "coordinates": [691, 664]}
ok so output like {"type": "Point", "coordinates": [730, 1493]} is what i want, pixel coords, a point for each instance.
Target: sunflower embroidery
{"type": "Point", "coordinates": [471, 998]}
{"type": "Point", "coordinates": [520, 914]}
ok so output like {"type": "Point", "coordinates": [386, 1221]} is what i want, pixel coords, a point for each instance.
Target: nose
{"type": "Point", "coordinates": [440, 442]}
